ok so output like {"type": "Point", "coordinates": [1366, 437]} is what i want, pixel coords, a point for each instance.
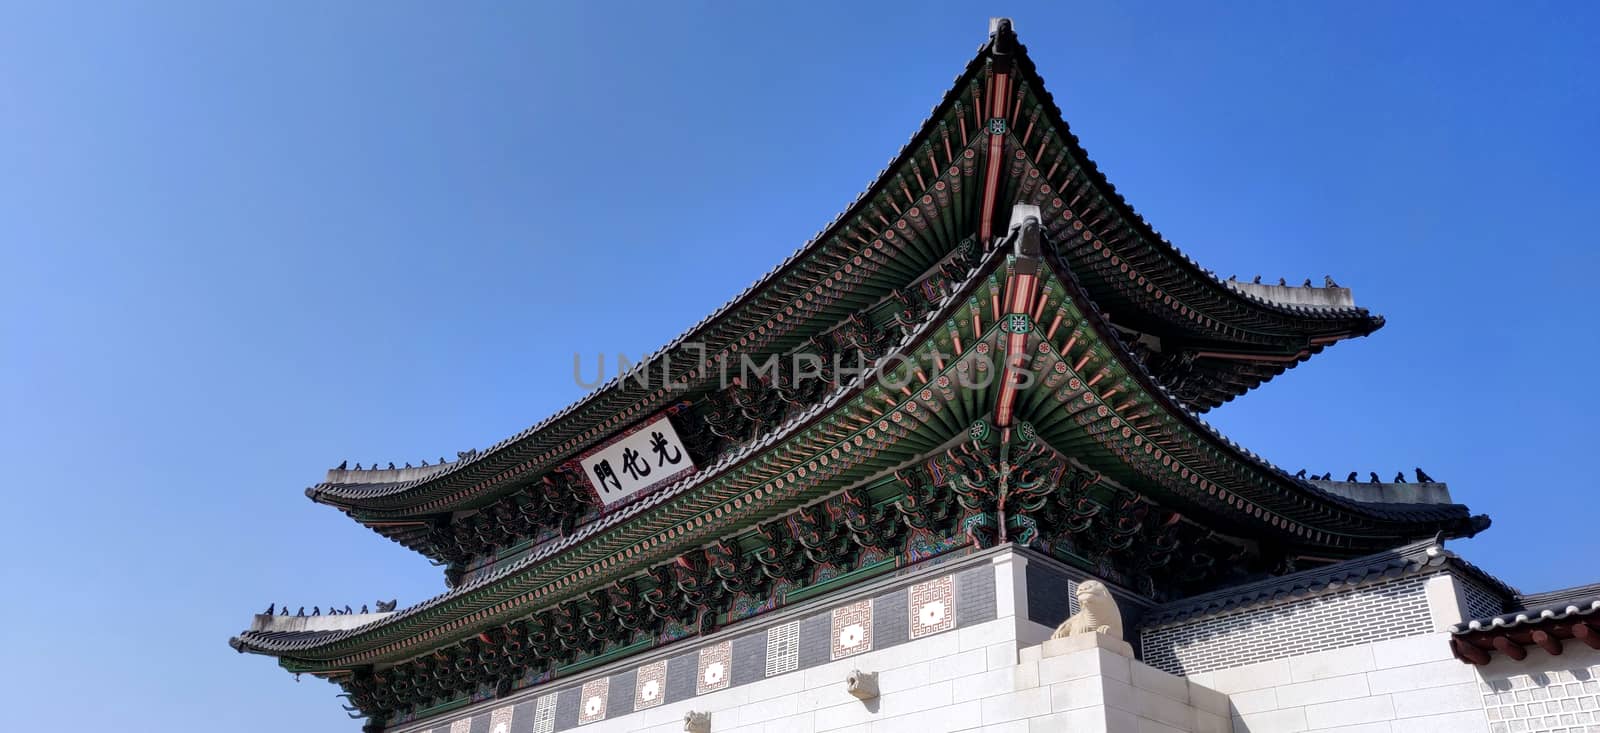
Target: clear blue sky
{"type": "Point", "coordinates": [244, 242]}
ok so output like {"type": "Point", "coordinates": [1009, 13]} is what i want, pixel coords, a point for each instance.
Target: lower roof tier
{"type": "Point", "coordinates": [1090, 455]}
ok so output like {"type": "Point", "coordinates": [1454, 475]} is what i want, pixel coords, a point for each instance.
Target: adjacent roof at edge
{"type": "Point", "coordinates": [1405, 560]}
{"type": "Point", "coordinates": [1555, 605]}
{"type": "Point", "coordinates": [350, 494]}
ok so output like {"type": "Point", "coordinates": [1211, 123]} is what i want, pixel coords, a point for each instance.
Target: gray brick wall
{"type": "Point", "coordinates": [567, 709]}
{"type": "Point", "coordinates": [975, 602]}
{"type": "Point", "coordinates": [620, 701]}
{"type": "Point", "coordinates": [890, 619]}
{"type": "Point", "coordinates": [681, 673]}
{"type": "Point", "coordinates": [749, 658]}
{"type": "Point", "coordinates": [814, 635]}
{"type": "Point", "coordinates": [1480, 601]}
{"type": "Point", "coordinates": [1052, 595]}
{"type": "Point", "coordinates": [1385, 610]}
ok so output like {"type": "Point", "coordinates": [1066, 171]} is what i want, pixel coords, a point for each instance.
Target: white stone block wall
{"type": "Point", "coordinates": [1543, 693]}
{"type": "Point", "coordinates": [1408, 685]}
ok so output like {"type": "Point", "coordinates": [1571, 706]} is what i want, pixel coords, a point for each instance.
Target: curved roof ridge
{"type": "Point", "coordinates": [325, 492]}
{"type": "Point", "coordinates": [1025, 63]}
{"type": "Point", "coordinates": [282, 642]}
{"type": "Point", "coordinates": [1377, 510]}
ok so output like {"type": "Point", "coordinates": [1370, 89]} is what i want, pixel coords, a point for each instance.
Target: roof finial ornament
{"type": "Point", "coordinates": [1256, 280]}
{"type": "Point", "coordinates": [1327, 282]}
{"type": "Point", "coordinates": [342, 465]}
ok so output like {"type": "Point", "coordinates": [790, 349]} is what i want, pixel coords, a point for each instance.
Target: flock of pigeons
{"type": "Point", "coordinates": [383, 607]}
{"type": "Point", "coordinates": [1399, 478]}
{"type": "Point", "coordinates": [462, 455]}
{"type": "Point", "coordinates": [1327, 281]}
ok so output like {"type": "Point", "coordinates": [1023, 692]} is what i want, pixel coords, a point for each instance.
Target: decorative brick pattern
{"type": "Point", "coordinates": [1480, 601]}
{"type": "Point", "coordinates": [852, 630]}
{"type": "Point", "coordinates": [650, 689]}
{"type": "Point", "coordinates": [1554, 701]}
{"type": "Point", "coordinates": [932, 607]}
{"type": "Point", "coordinates": [783, 648]}
{"type": "Point", "coordinates": [592, 700]}
{"type": "Point", "coordinates": [500, 720]}
{"type": "Point", "coordinates": [544, 714]}
{"type": "Point", "coordinates": [1386, 610]}
{"type": "Point", "coordinates": [716, 668]}
{"type": "Point", "coordinates": [461, 726]}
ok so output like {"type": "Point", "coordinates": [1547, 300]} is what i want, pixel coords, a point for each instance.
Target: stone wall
{"type": "Point", "coordinates": [1343, 618]}
{"type": "Point", "coordinates": [1543, 694]}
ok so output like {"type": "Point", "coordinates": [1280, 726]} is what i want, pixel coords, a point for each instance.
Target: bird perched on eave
{"type": "Point", "coordinates": [301, 612]}
{"type": "Point", "coordinates": [272, 608]}
{"type": "Point", "coordinates": [342, 465]}
{"type": "Point", "coordinates": [1351, 478]}
{"type": "Point", "coordinates": [1256, 280]}
{"type": "Point", "coordinates": [1300, 473]}
{"type": "Point", "coordinates": [1283, 282]}
{"type": "Point", "coordinates": [1306, 284]}
{"type": "Point", "coordinates": [1400, 477]}
{"type": "Point", "coordinates": [1327, 282]}
{"type": "Point", "coordinates": [316, 610]}
{"type": "Point", "coordinates": [1373, 477]}
{"type": "Point", "coordinates": [1423, 477]}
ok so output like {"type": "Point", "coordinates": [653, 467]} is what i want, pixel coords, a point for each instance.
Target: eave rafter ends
{"type": "Point", "coordinates": [997, 138]}
{"type": "Point", "coordinates": [1094, 402]}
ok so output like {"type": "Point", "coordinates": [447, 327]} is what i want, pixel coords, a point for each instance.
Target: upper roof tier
{"type": "Point", "coordinates": [1204, 339]}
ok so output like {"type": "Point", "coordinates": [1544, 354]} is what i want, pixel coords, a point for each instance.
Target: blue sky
{"type": "Point", "coordinates": [244, 242]}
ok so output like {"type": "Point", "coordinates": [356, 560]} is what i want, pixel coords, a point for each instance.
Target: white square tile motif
{"type": "Point", "coordinates": [592, 700]}
{"type": "Point", "coordinates": [461, 726]}
{"type": "Point", "coordinates": [852, 630]}
{"type": "Point", "coordinates": [783, 648]}
{"type": "Point", "coordinates": [716, 668]}
{"type": "Point", "coordinates": [651, 688]}
{"type": "Point", "coordinates": [544, 714]}
{"type": "Point", "coordinates": [932, 606]}
{"type": "Point", "coordinates": [500, 720]}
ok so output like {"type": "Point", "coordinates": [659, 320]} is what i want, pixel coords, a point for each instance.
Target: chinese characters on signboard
{"type": "Point", "coordinates": [645, 457]}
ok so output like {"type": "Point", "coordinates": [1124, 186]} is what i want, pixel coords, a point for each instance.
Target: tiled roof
{"type": "Point", "coordinates": [1409, 559]}
{"type": "Point", "coordinates": [284, 642]}
{"type": "Point", "coordinates": [1583, 600]}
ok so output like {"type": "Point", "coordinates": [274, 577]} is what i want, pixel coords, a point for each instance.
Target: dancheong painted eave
{"type": "Point", "coordinates": [1209, 340]}
{"type": "Point", "coordinates": [1218, 481]}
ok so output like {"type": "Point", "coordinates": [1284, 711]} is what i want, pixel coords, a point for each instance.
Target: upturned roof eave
{"type": "Point", "coordinates": [312, 651]}
{"type": "Point", "coordinates": [397, 500]}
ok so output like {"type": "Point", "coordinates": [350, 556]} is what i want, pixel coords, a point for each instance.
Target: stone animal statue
{"type": "Point", "coordinates": [1097, 613]}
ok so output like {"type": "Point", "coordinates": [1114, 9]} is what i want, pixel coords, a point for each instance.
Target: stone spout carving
{"type": "Point", "coordinates": [862, 685]}
{"type": "Point", "coordinates": [1097, 613]}
{"type": "Point", "coordinates": [697, 722]}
